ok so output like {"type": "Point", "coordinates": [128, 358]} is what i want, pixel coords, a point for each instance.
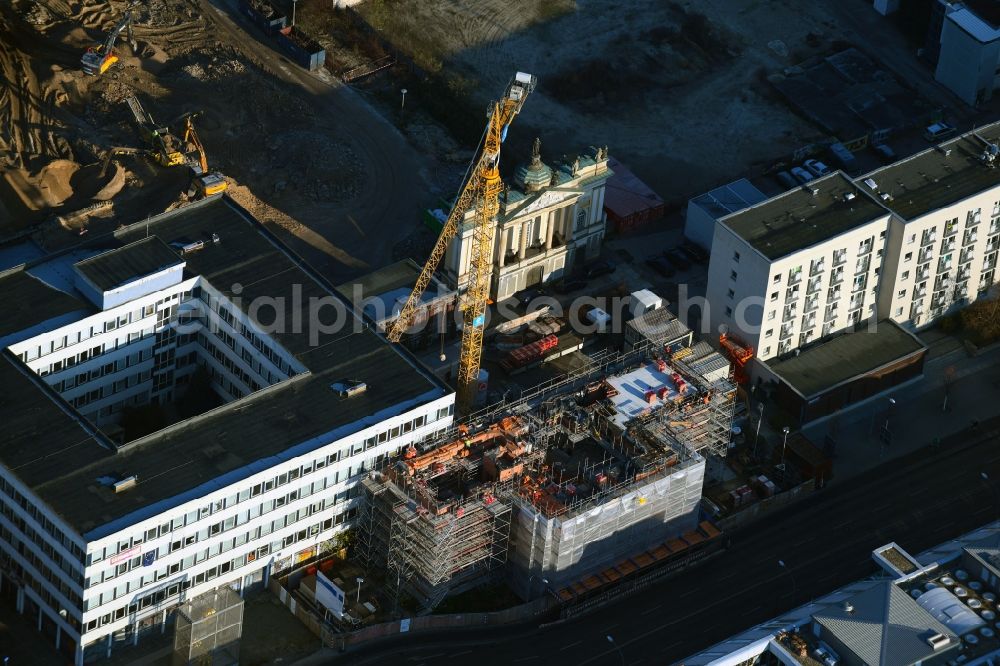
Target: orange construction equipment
{"type": "Point", "coordinates": [740, 354]}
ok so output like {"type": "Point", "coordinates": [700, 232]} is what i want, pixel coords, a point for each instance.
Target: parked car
{"type": "Point", "coordinates": [660, 264]}
{"type": "Point", "coordinates": [816, 167]}
{"type": "Point", "coordinates": [787, 179]}
{"type": "Point", "coordinates": [569, 285]}
{"type": "Point", "coordinates": [677, 258]}
{"type": "Point", "coordinates": [525, 296]}
{"type": "Point", "coordinates": [697, 253]}
{"type": "Point", "coordinates": [599, 268]}
{"type": "Point", "coordinates": [885, 152]}
{"type": "Point", "coordinates": [802, 175]}
{"type": "Point", "coordinates": [842, 156]}
{"type": "Point", "coordinates": [938, 131]}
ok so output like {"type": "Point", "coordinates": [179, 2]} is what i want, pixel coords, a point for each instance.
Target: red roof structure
{"type": "Point", "coordinates": [628, 201]}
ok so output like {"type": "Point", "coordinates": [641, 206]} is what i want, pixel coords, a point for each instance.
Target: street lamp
{"type": "Point", "coordinates": [996, 498]}
{"type": "Point", "coordinates": [620, 653]}
{"type": "Point", "coordinates": [760, 419]}
{"type": "Point", "coordinates": [784, 443]}
{"type": "Point", "coordinates": [403, 102]}
{"type": "Point", "coordinates": [294, 2]}
{"type": "Point", "coordinates": [360, 580]}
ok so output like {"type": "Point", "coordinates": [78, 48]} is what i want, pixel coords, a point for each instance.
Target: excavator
{"type": "Point", "coordinates": [166, 147]}
{"type": "Point", "coordinates": [205, 183]}
{"type": "Point", "coordinates": [98, 59]}
{"type": "Point", "coordinates": [480, 190]}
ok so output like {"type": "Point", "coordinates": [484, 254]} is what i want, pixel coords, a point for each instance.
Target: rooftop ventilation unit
{"type": "Point", "coordinates": [125, 484]}
{"type": "Point", "coordinates": [870, 182]}
{"type": "Point", "coordinates": [815, 191]}
{"type": "Point", "coordinates": [347, 388]}
{"type": "Point", "coordinates": [938, 641]}
{"type": "Point", "coordinates": [946, 151]}
{"type": "Point", "coordinates": [885, 196]}
{"type": "Point", "coordinates": [848, 607]}
{"type": "Point", "coordinates": [187, 248]}
{"type": "Point", "coordinates": [848, 196]}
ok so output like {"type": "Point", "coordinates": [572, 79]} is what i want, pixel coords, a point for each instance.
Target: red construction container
{"type": "Point", "coordinates": [522, 356]}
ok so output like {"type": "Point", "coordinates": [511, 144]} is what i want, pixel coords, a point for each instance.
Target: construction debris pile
{"type": "Point", "coordinates": [552, 488]}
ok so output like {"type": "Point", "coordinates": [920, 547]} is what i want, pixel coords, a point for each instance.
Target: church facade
{"type": "Point", "coordinates": [551, 221]}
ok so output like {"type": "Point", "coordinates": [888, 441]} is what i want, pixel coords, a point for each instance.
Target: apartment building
{"type": "Point", "coordinates": [551, 220]}
{"type": "Point", "coordinates": [945, 229]}
{"type": "Point", "coordinates": [797, 267]}
{"type": "Point", "coordinates": [181, 413]}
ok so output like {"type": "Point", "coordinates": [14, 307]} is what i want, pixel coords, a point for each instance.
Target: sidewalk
{"type": "Point", "coordinates": [919, 415]}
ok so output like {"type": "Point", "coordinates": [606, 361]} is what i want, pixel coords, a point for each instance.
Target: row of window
{"type": "Point", "coordinates": [277, 481]}
{"type": "Point", "coordinates": [256, 340]}
{"type": "Point", "coordinates": [163, 595]}
{"type": "Point", "coordinates": [58, 342]}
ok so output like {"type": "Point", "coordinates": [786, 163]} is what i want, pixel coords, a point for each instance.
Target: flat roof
{"type": "Point", "coordinates": [124, 264]}
{"type": "Point", "coordinates": [939, 176]}
{"type": "Point", "coordinates": [978, 28]}
{"type": "Point", "coordinates": [52, 450]}
{"type": "Point", "coordinates": [625, 194]}
{"type": "Point", "coordinates": [818, 369]}
{"type": "Point", "coordinates": [729, 199]}
{"type": "Point", "coordinates": [32, 302]}
{"type": "Point", "coordinates": [798, 219]}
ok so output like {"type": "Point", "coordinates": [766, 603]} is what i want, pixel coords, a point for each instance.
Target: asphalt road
{"type": "Point", "coordinates": [826, 541]}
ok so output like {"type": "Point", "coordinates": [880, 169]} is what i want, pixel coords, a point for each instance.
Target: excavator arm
{"type": "Point", "coordinates": [98, 59]}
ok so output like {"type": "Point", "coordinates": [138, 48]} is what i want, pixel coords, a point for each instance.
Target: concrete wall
{"type": "Point", "coordinates": [699, 226]}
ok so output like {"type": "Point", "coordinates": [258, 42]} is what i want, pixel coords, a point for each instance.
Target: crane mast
{"type": "Point", "coordinates": [481, 188]}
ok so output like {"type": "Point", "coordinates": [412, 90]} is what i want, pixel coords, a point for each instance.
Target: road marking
{"type": "Point", "coordinates": [650, 610]}
{"type": "Point", "coordinates": [564, 647]}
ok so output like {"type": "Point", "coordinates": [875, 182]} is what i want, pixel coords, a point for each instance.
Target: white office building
{"type": "Point", "coordinates": [181, 411]}
{"type": "Point", "coordinates": [911, 242]}
{"type": "Point", "coordinates": [945, 228]}
{"type": "Point", "coordinates": [797, 267]}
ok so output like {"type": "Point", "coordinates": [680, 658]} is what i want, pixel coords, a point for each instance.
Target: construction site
{"type": "Point", "coordinates": [603, 465]}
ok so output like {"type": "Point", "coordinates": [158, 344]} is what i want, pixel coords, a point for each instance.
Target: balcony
{"type": "Point", "coordinates": [814, 284]}
{"type": "Point", "coordinates": [864, 248]}
{"type": "Point", "coordinates": [925, 255]}
{"type": "Point", "coordinates": [961, 292]}
{"type": "Point", "coordinates": [970, 238]}
{"type": "Point", "coordinates": [928, 238]}
{"type": "Point", "coordinates": [992, 244]}
{"type": "Point", "coordinates": [919, 293]}
{"type": "Point", "coordinates": [950, 229]}
{"type": "Point", "coordinates": [789, 314]}
{"type": "Point", "coordinates": [794, 277]}
{"type": "Point", "coordinates": [830, 314]}
{"type": "Point", "coordinates": [817, 268]}
{"type": "Point", "coordinates": [963, 274]}
{"type": "Point", "coordinates": [965, 256]}
{"type": "Point", "coordinates": [808, 323]}
{"type": "Point", "coordinates": [916, 311]}
{"type": "Point", "coordinates": [812, 303]}
{"type": "Point", "coordinates": [839, 257]}
{"type": "Point", "coordinates": [785, 332]}
{"type": "Point", "coordinates": [948, 246]}
{"type": "Point", "coordinates": [837, 277]}
{"type": "Point", "coordinates": [792, 294]}
{"type": "Point", "coordinates": [923, 273]}
{"type": "Point", "coordinates": [864, 263]}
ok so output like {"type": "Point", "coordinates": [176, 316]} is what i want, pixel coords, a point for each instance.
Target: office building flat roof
{"type": "Point", "coordinates": [828, 364]}
{"type": "Point", "coordinates": [123, 265]}
{"type": "Point", "coordinates": [31, 302]}
{"type": "Point", "coordinates": [61, 458]}
{"type": "Point", "coordinates": [800, 218]}
{"type": "Point", "coordinates": [938, 177]}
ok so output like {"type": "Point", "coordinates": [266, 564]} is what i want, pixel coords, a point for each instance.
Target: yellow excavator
{"type": "Point", "coordinates": [204, 183]}
{"type": "Point", "coordinates": [98, 59]}
{"type": "Point", "coordinates": [166, 146]}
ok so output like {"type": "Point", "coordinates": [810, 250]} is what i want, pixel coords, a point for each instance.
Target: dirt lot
{"type": "Point", "coordinates": [676, 89]}
{"type": "Point", "coordinates": [301, 152]}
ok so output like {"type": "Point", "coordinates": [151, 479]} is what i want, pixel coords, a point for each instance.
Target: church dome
{"type": "Point", "coordinates": [535, 175]}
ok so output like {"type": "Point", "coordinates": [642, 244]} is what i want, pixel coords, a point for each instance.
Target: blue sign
{"type": "Point", "coordinates": [479, 321]}
{"type": "Point", "coordinates": [148, 558]}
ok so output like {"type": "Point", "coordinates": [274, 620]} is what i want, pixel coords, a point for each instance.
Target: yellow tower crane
{"type": "Point", "coordinates": [481, 188]}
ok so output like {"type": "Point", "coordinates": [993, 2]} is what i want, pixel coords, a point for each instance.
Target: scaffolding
{"type": "Point", "coordinates": [209, 628]}
{"type": "Point", "coordinates": [564, 479]}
